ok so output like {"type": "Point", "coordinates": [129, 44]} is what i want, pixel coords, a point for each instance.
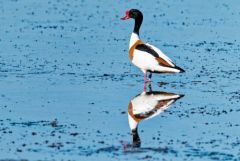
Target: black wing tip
{"type": "Point", "coordinates": [181, 96]}
{"type": "Point", "coordinates": [181, 70]}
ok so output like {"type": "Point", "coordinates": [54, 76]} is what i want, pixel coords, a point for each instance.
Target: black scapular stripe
{"type": "Point", "coordinates": [144, 47]}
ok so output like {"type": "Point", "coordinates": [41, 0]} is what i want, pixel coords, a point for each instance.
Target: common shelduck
{"type": "Point", "coordinates": [145, 56]}
{"type": "Point", "coordinates": [145, 106]}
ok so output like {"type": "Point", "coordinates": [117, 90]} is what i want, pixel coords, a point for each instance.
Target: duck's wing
{"type": "Point", "coordinates": [151, 104]}
{"type": "Point", "coordinates": [159, 56]}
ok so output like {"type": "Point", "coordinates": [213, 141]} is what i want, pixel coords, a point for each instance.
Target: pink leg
{"type": "Point", "coordinates": [145, 77]}
{"type": "Point", "coordinates": [146, 80]}
{"type": "Point", "coordinates": [145, 87]}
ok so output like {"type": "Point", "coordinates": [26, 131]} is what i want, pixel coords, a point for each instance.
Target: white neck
{"type": "Point", "coordinates": [133, 39]}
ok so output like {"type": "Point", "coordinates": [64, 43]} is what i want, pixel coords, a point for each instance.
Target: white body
{"type": "Point", "coordinates": [147, 62]}
{"type": "Point", "coordinates": [144, 103]}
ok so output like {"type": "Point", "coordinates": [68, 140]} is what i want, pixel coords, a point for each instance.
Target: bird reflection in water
{"type": "Point", "coordinates": [147, 105]}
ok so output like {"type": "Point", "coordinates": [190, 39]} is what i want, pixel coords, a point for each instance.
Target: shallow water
{"type": "Point", "coordinates": [66, 80]}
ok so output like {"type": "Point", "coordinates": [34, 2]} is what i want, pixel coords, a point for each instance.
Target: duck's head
{"type": "Point", "coordinates": [137, 16]}
{"type": "Point", "coordinates": [133, 13]}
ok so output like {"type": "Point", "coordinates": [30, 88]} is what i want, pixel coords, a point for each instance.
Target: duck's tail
{"type": "Point", "coordinates": [180, 69]}
{"type": "Point", "coordinates": [162, 69]}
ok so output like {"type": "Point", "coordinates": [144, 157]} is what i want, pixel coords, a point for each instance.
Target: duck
{"type": "Point", "coordinates": [144, 55]}
{"type": "Point", "coordinates": [147, 105]}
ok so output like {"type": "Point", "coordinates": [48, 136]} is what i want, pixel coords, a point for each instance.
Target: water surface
{"type": "Point", "coordinates": [66, 80]}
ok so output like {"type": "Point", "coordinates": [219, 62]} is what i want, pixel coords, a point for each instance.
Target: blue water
{"type": "Point", "coordinates": [66, 80]}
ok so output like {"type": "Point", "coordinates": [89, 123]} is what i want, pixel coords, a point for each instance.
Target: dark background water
{"type": "Point", "coordinates": [66, 80]}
